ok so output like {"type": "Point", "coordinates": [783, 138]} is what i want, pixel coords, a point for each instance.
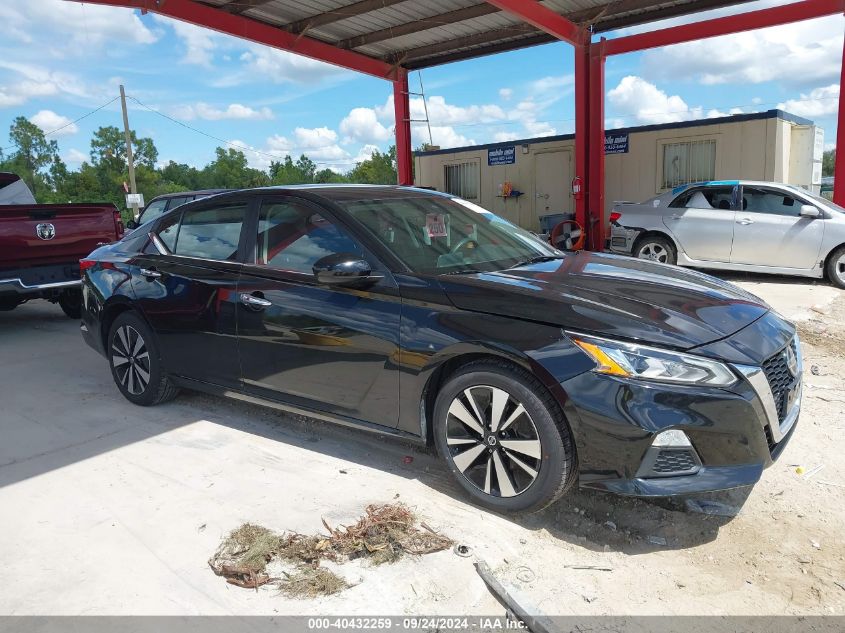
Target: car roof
{"type": "Point", "coordinates": [180, 194]}
{"type": "Point", "coordinates": [733, 183]}
{"type": "Point", "coordinates": [349, 192]}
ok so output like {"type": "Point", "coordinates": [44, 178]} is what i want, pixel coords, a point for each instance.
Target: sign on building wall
{"type": "Point", "coordinates": [501, 156]}
{"type": "Point", "coordinates": [616, 143]}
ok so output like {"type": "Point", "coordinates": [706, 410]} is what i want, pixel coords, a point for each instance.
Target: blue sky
{"type": "Point", "coordinates": [60, 60]}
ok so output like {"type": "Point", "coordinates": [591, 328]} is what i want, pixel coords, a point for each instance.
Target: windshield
{"type": "Point", "coordinates": [439, 235]}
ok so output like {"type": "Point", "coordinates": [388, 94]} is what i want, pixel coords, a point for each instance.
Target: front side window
{"type": "Point", "coordinates": [461, 180]}
{"type": "Point", "coordinates": [435, 234]}
{"type": "Point", "coordinates": [292, 236]}
{"type": "Point", "coordinates": [757, 200]}
{"type": "Point", "coordinates": [690, 161]}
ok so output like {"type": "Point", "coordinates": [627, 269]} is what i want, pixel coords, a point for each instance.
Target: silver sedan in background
{"type": "Point", "coordinates": [760, 227]}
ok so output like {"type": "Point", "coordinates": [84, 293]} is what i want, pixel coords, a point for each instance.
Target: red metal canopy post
{"type": "Point", "coordinates": [597, 225]}
{"type": "Point", "coordinates": [839, 161]}
{"type": "Point", "coordinates": [402, 111]}
{"type": "Point", "coordinates": [582, 145]}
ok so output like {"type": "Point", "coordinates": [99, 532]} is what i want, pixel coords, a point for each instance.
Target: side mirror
{"type": "Point", "coordinates": [132, 225]}
{"type": "Point", "coordinates": [809, 211]}
{"type": "Point", "coordinates": [344, 269]}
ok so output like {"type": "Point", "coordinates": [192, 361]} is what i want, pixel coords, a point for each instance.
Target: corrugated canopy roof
{"type": "Point", "coordinates": [421, 33]}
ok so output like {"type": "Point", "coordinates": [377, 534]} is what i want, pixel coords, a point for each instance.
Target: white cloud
{"type": "Point", "coordinates": [37, 81]}
{"type": "Point", "coordinates": [820, 102]}
{"type": "Point", "coordinates": [74, 157]}
{"type": "Point", "coordinates": [637, 99]}
{"type": "Point", "coordinates": [366, 153]}
{"type": "Point", "coordinates": [261, 63]}
{"type": "Point", "coordinates": [199, 42]}
{"type": "Point", "coordinates": [502, 137]}
{"type": "Point", "coordinates": [210, 113]}
{"type": "Point", "coordinates": [506, 93]}
{"type": "Point", "coordinates": [800, 53]}
{"type": "Point", "coordinates": [48, 121]}
{"type": "Point", "coordinates": [362, 124]}
{"type": "Point", "coordinates": [319, 144]}
{"type": "Point", "coordinates": [81, 26]}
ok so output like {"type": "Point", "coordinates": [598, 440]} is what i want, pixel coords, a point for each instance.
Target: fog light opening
{"type": "Point", "coordinates": [674, 438]}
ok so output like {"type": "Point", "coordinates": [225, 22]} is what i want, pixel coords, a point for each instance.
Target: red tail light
{"type": "Point", "coordinates": [85, 264]}
{"type": "Point", "coordinates": [118, 223]}
{"type": "Point", "coordinates": [614, 217]}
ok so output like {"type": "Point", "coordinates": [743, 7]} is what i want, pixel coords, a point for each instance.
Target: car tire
{"type": "Point", "coordinates": [70, 301]}
{"type": "Point", "coordinates": [835, 267]}
{"type": "Point", "coordinates": [657, 249]}
{"type": "Point", "coordinates": [529, 463]}
{"type": "Point", "coordinates": [136, 364]}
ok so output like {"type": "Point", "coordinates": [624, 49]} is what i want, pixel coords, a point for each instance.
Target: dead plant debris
{"type": "Point", "coordinates": [384, 534]}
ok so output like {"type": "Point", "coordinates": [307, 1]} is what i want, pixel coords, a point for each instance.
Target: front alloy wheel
{"type": "Point", "coordinates": [504, 437]}
{"type": "Point", "coordinates": [493, 441]}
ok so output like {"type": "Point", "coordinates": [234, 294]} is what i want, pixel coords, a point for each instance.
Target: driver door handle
{"type": "Point", "coordinates": [152, 273]}
{"type": "Point", "coordinates": [745, 221]}
{"type": "Point", "coordinates": [255, 302]}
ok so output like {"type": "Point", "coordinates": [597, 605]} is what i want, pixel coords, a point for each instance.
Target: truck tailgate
{"type": "Point", "coordinates": [68, 232]}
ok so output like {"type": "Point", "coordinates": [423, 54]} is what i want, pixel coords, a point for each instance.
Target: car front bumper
{"type": "Point", "coordinates": [734, 433]}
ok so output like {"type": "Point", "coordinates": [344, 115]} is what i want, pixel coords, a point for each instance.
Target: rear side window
{"type": "Point", "coordinates": [705, 198]}
{"type": "Point", "coordinates": [210, 233]}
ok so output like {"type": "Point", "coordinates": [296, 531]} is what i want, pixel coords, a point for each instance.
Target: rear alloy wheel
{"type": "Point", "coordinates": [135, 364]}
{"type": "Point", "coordinates": [503, 438]}
{"type": "Point", "coordinates": [656, 249]}
{"type": "Point", "coordinates": [836, 267]}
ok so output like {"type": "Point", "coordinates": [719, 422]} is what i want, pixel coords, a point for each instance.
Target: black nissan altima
{"type": "Point", "coordinates": [418, 314]}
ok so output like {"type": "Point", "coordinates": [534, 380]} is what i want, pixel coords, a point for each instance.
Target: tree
{"type": "Point", "coordinates": [287, 172]}
{"type": "Point", "coordinates": [379, 169]}
{"type": "Point", "coordinates": [828, 160]}
{"type": "Point", "coordinates": [33, 155]}
{"type": "Point", "coordinates": [108, 149]}
{"type": "Point", "coordinates": [230, 170]}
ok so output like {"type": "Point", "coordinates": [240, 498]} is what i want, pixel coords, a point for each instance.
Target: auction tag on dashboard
{"type": "Point", "coordinates": [435, 225]}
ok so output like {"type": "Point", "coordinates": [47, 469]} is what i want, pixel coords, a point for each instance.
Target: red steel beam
{"type": "Point", "coordinates": [839, 159]}
{"type": "Point", "coordinates": [597, 223]}
{"type": "Point", "coordinates": [582, 144]}
{"type": "Point", "coordinates": [402, 111]}
{"type": "Point", "coordinates": [762, 18]}
{"type": "Point", "coordinates": [543, 18]}
{"type": "Point", "coordinates": [246, 28]}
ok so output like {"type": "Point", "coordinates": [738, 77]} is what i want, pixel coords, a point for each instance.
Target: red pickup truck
{"type": "Point", "coordinates": [41, 245]}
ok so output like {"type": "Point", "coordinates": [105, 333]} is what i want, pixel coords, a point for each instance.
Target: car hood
{"type": "Point", "coordinates": [618, 297]}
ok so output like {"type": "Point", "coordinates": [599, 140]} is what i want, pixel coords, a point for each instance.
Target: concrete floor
{"type": "Point", "coordinates": [110, 508]}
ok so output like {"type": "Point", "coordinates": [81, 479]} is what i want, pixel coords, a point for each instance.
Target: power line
{"type": "Point", "coordinates": [230, 143]}
{"type": "Point", "coordinates": [68, 124]}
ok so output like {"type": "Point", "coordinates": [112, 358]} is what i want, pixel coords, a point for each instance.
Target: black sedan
{"type": "Point", "coordinates": [418, 314]}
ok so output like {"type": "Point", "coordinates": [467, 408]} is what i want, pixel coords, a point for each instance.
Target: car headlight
{"type": "Point", "coordinates": [649, 363]}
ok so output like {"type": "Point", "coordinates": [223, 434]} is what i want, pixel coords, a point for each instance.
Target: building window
{"type": "Point", "coordinates": [690, 161]}
{"type": "Point", "coordinates": [461, 180]}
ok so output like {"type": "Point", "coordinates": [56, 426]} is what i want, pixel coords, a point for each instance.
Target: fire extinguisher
{"type": "Point", "coordinates": [577, 188]}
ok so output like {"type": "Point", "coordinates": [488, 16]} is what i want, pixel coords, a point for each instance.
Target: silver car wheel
{"type": "Point", "coordinates": [131, 360]}
{"type": "Point", "coordinates": [654, 252]}
{"type": "Point", "coordinates": [839, 269]}
{"type": "Point", "coordinates": [493, 441]}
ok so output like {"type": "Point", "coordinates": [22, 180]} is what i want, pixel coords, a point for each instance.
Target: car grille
{"type": "Point", "coordinates": [780, 379]}
{"type": "Point", "coordinates": [671, 461]}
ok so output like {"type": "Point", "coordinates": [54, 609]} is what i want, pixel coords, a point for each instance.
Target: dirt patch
{"type": "Point", "coordinates": [384, 534]}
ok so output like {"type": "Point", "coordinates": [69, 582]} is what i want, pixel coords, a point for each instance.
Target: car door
{"type": "Point", "coordinates": [702, 221]}
{"type": "Point", "coordinates": [770, 230]}
{"type": "Point", "coordinates": [321, 347]}
{"type": "Point", "coordinates": [188, 296]}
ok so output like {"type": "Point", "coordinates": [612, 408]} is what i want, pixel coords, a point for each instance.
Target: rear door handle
{"type": "Point", "coordinates": [745, 221]}
{"type": "Point", "coordinates": [151, 273]}
{"type": "Point", "coordinates": [255, 302]}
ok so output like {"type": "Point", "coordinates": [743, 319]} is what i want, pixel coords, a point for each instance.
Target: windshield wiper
{"type": "Point", "coordinates": [463, 271]}
{"type": "Point", "coordinates": [537, 259]}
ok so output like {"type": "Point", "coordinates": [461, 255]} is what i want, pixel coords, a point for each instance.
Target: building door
{"type": "Point", "coordinates": [552, 183]}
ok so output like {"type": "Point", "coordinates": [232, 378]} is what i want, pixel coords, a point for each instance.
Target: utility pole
{"type": "Point", "coordinates": [129, 157]}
